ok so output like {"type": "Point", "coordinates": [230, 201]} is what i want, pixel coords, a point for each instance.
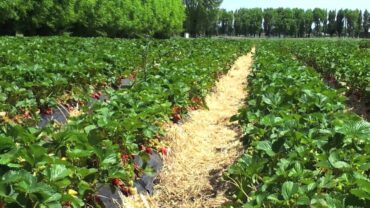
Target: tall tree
{"type": "Point", "coordinates": [249, 21]}
{"type": "Point", "coordinates": [256, 21]}
{"type": "Point", "coordinates": [290, 27]}
{"type": "Point", "coordinates": [308, 20]}
{"type": "Point", "coordinates": [280, 23]}
{"type": "Point", "coordinates": [332, 25]}
{"type": "Point", "coordinates": [351, 17]}
{"type": "Point", "coordinates": [340, 22]}
{"type": "Point", "coordinates": [226, 19]}
{"type": "Point", "coordinates": [319, 15]}
{"type": "Point", "coordinates": [268, 21]}
{"type": "Point", "coordinates": [243, 19]}
{"type": "Point", "coordinates": [13, 14]}
{"type": "Point", "coordinates": [358, 28]}
{"type": "Point", "coordinates": [51, 17]}
{"type": "Point", "coordinates": [366, 23]}
{"type": "Point", "coordinates": [201, 16]}
{"type": "Point", "coordinates": [299, 21]}
{"type": "Point", "coordinates": [237, 23]}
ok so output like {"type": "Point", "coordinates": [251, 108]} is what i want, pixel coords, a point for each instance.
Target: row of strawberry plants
{"type": "Point", "coordinates": [343, 62]}
{"type": "Point", "coordinates": [37, 73]}
{"type": "Point", "coordinates": [40, 73]}
{"type": "Point", "coordinates": [303, 148]}
{"type": "Point", "coordinates": [64, 165]}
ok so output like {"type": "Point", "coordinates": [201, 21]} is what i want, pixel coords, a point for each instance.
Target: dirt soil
{"type": "Point", "coordinates": [204, 146]}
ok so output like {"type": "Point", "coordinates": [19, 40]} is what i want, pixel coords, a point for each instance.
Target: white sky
{"type": "Point", "coordinates": [305, 4]}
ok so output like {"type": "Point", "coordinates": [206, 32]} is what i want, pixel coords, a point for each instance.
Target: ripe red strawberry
{"type": "Point", "coordinates": [125, 158]}
{"type": "Point", "coordinates": [48, 111]}
{"type": "Point", "coordinates": [125, 190]}
{"type": "Point", "coordinates": [117, 182]}
{"type": "Point", "coordinates": [149, 150]}
{"type": "Point", "coordinates": [176, 118]}
{"type": "Point", "coordinates": [163, 150]}
{"type": "Point", "coordinates": [95, 95]}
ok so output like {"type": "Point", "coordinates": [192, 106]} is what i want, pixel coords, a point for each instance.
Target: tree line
{"type": "Point", "coordinates": [165, 18]}
{"type": "Point", "coordinates": [293, 22]}
{"type": "Point", "coordinates": [113, 18]}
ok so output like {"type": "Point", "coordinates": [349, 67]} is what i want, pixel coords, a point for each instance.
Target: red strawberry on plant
{"type": "Point", "coordinates": [125, 190]}
{"type": "Point", "coordinates": [95, 96]}
{"type": "Point", "coordinates": [163, 151]}
{"type": "Point", "coordinates": [117, 182]}
{"type": "Point", "coordinates": [176, 114]}
{"type": "Point", "coordinates": [149, 150]}
{"type": "Point", "coordinates": [176, 118]}
{"type": "Point", "coordinates": [125, 158]}
{"type": "Point", "coordinates": [47, 111]}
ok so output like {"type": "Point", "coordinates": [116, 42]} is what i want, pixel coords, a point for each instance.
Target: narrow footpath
{"type": "Point", "coordinates": [205, 146]}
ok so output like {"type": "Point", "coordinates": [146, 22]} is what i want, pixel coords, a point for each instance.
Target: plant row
{"type": "Point", "coordinates": [64, 165]}
{"type": "Point", "coordinates": [36, 73]}
{"type": "Point", "coordinates": [343, 63]}
{"type": "Point", "coordinates": [303, 147]}
{"type": "Point", "coordinates": [39, 73]}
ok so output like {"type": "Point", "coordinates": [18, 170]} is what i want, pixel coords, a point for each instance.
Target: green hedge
{"type": "Point", "coordinates": [113, 18]}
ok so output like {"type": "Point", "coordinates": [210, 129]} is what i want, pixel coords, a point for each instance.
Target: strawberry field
{"type": "Point", "coordinates": [304, 147]}
{"type": "Point", "coordinates": [343, 65]}
{"type": "Point", "coordinates": [76, 112]}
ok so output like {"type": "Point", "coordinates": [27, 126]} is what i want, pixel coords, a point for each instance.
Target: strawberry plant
{"type": "Point", "coordinates": [303, 147]}
{"type": "Point", "coordinates": [344, 63]}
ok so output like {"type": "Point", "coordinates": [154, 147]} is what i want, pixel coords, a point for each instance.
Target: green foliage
{"type": "Point", "coordinates": [319, 16]}
{"type": "Point", "coordinates": [249, 21]}
{"type": "Point", "coordinates": [366, 22]}
{"type": "Point", "coordinates": [114, 18]}
{"type": "Point", "coordinates": [226, 22]}
{"type": "Point", "coordinates": [295, 22]}
{"type": "Point", "coordinates": [347, 70]}
{"type": "Point", "coordinates": [281, 21]}
{"type": "Point", "coordinates": [332, 26]}
{"type": "Point", "coordinates": [201, 16]}
{"type": "Point", "coordinates": [303, 148]}
{"type": "Point", "coordinates": [44, 167]}
{"type": "Point", "coordinates": [340, 22]}
{"type": "Point", "coordinates": [353, 26]}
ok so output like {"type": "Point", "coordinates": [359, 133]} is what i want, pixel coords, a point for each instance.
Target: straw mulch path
{"type": "Point", "coordinates": [204, 146]}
